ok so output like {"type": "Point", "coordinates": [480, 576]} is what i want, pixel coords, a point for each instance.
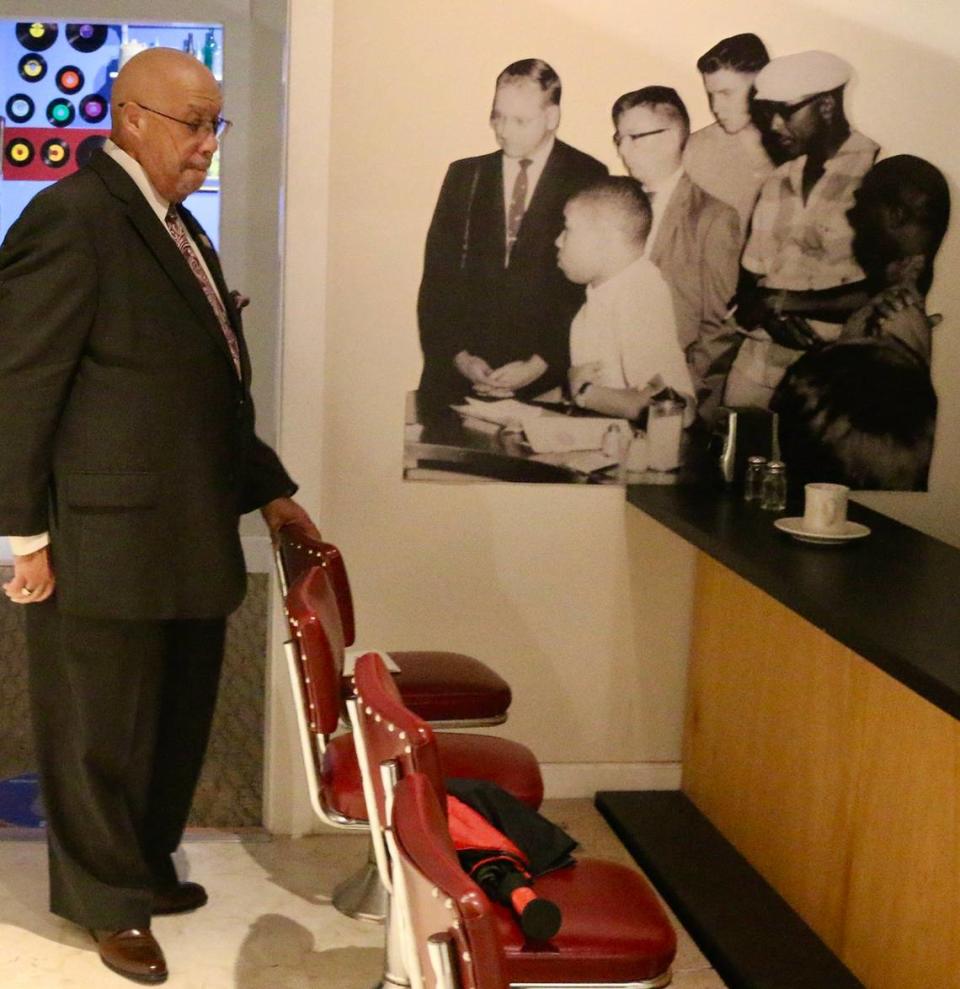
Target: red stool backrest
{"type": "Point", "coordinates": [440, 897]}
{"type": "Point", "coordinates": [297, 552]}
{"type": "Point", "coordinates": [392, 732]}
{"type": "Point", "coordinates": [314, 620]}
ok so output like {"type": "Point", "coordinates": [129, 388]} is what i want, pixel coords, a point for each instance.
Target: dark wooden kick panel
{"type": "Point", "coordinates": [747, 931]}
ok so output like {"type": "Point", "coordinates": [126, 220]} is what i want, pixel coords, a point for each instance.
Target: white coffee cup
{"type": "Point", "coordinates": [825, 507]}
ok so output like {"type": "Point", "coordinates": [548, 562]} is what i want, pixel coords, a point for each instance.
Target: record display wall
{"type": "Point", "coordinates": [55, 82]}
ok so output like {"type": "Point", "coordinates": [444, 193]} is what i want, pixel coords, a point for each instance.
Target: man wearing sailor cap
{"type": "Point", "coordinates": [799, 277]}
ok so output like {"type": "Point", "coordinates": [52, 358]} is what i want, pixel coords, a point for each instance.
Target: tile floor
{"type": "Point", "coordinates": [269, 923]}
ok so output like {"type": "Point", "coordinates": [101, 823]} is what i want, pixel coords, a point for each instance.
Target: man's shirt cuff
{"type": "Point", "coordinates": [24, 545]}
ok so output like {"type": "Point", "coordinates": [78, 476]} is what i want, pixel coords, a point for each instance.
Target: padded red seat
{"type": "Point", "coordinates": [450, 686]}
{"type": "Point", "coordinates": [506, 763]}
{"type": "Point", "coordinates": [614, 930]}
{"type": "Point", "coordinates": [447, 688]}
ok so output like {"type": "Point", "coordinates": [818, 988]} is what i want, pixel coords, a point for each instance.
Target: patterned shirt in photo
{"type": "Point", "coordinates": [808, 247]}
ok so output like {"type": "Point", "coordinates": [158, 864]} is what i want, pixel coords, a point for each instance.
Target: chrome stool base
{"type": "Point", "coordinates": [362, 896]}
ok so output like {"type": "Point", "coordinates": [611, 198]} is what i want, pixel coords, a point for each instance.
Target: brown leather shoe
{"type": "Point", "coordinates": [132, 953]}
{"type": "Point", "coordinates": [179, 899]}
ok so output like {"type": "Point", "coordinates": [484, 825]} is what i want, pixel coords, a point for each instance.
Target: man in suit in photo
{"type": "Point", "coordinates": [127, 455]}
{"type": "Point", "coordinates": [695, 239]}
{"type": "Point", "coordinates": [494, 309]}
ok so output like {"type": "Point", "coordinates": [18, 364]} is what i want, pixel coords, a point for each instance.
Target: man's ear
{"type": "Point", "coordinates": [553, 117]}
{"type": "Point", "coordinates": [131, 116]}
{"type": "Point", "coordinates": [895, 215]}
{"type": "Point", "coordinates": [827, 107]}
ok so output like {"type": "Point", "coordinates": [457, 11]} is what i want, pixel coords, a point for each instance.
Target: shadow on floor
{"type": "Point", "coordinates": [24, 899]}
{"type": "Point", "coordinates": [295, 865]}
{"type": "Point", "coordinates": [279, 953]}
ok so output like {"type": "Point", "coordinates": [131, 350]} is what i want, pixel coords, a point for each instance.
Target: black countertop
{"type": "Point", "coordinates": [892, 597]}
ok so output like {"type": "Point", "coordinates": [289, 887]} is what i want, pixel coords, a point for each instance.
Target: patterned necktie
{"type": "Point", "coordinates": [179, 233]}
{"type": "Point", "coordinates": [518, 205]}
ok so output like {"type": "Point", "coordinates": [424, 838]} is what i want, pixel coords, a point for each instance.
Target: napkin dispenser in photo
{"type": "Point", "coordinates": [739, 433]}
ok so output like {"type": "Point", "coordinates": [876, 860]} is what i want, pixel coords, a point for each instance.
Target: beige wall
{"type": "Point", "coordinates": [581, 603]}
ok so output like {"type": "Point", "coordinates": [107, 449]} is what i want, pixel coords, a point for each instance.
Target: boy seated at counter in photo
{"type": "Point", "coordinates": [623, 341]}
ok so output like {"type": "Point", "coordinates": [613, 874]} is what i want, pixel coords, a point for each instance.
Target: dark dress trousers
{"type": "Point", "coordinates": [470, 300]}
{"type": "Point", "coordinates": [127, 434]}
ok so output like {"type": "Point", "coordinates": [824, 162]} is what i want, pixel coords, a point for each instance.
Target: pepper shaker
{"type": "Point", "coordinates": [753, 481]}
{"type": "Point", "coordinates": [773, 495]}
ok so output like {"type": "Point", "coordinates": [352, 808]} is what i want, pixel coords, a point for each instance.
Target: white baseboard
{"type": "Point", "coordinates": [583, 779]}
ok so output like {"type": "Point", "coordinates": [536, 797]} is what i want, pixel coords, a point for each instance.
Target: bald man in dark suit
{"type": "Point", "coordinates": [127, 455]}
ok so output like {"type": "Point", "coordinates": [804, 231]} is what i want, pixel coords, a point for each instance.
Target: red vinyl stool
{"type": "Point", "coordinates": [315, 656]}
{"type": "Point", "coordinates": [614, 931]}
{"type": "Point", "coordinates": [448, 689]}
{"type": "Point", "coordinates": [388, 738]}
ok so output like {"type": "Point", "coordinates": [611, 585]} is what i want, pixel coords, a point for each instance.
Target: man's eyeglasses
{"type": "Point", "coordinates": [218, 126]}
{"type": "Point", "coordinates": [618, 138]}
{"type": "Point", "coordinates": [768, 109]}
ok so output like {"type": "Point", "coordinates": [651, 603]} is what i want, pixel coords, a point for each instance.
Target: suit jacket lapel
{"type": "Point", "coordinates": [543, 202]}
{"type": "Point", "coordinates": [161, 244]}
{"type": "Point", "coordinates": [202, 241]}
{"type": "Point", "coordinates": [487, 223]}
{"type": "Point", "coordinates": [212, 260]}
{"type": "Point", "coordinates": [677, 208]}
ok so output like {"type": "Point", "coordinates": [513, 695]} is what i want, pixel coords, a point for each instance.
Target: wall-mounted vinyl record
{"type": "Point", "coordinates": [19, 152]}
{"type": "Point", "coordinates": [60, 112]}
{"type": "Point", "coordinates": [93, 108]}
{"type": "Point", "coordinates": [87, 147]}
{"type": "Point", "coordinates": [86, 37]}
{"type": "Point", "coordinates": [20, 108]}
{"type": "Point", "coordinates": [69, 79]}
{"type": "Point", "coordinates": [36, 36]}
{"type": "Point", "coordinates": [55, 153]}
{"type": "Point", "coordinates": [32, 67]}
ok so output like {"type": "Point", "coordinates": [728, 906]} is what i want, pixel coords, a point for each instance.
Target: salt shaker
{"type": "Point", "coordinates": [616, 440]}
{"type": "Point", "coordinates": [753, 481]}
{"type": "Point", "coordinates": [773, 494]}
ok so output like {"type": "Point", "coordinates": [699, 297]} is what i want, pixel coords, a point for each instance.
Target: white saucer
{"type": "Point", "coordinates": [794, 527]}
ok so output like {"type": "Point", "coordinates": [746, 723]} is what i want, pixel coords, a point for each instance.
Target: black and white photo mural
{"type": "Point", "coordinates": [586, 314]}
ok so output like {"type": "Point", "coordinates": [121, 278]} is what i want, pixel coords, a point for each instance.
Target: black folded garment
{"type": "Point", "coordinates": [506, 850]}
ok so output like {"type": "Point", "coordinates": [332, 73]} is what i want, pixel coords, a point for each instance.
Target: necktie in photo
{"type": "Point", "coordinates": [518, 205]}
{"type": "Point", "coordinates": [179, 233]}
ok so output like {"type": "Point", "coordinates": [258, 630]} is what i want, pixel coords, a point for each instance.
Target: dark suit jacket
{"type": "Point", "coordinates": [697, 250]}
{"type": "Point", "coordinates": [470, 301]}
{"type": "Point", "coordinates": [124, 429]}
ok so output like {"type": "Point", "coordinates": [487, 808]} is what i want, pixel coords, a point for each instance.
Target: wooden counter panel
{"type": "Point", "coordinates": [837, 783]}
{"type": "Point", "coordinates": [903, 896]}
